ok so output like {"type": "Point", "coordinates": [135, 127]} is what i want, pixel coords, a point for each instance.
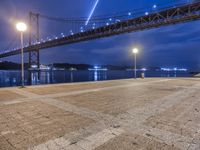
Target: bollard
{"type": "Point", "coordinates": [142, 75]}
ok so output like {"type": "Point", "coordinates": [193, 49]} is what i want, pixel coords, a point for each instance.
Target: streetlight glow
{"type": "Point", "coordinates": [22, 27]}
{"type": "Point", "coordinates": [135, 51]}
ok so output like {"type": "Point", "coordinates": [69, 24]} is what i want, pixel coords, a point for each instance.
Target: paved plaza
{"type": "Point", "coordinates": [146, 114]}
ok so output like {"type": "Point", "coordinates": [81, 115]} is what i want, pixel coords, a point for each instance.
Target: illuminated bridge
{"type": "Point", "coordinates": [141, 21]}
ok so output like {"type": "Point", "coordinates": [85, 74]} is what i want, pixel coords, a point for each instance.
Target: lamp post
{"type": "Point", "coordinates": [22, 27]}
{"type": "Point", "coordinates": [135, 51]}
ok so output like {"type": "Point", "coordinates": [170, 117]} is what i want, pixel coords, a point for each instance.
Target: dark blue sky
{"type": "Point", "coordinates": [166, 46]}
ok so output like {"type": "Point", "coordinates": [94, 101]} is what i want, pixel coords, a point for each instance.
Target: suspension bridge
{"type": "Point", "coordinates": [104, 26]}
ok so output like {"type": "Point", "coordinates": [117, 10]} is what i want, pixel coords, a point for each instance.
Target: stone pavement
{"type": "Point", "coordinates": [154, 113]}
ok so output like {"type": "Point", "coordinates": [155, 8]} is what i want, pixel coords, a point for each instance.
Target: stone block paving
{"type": "Point", "coordinates": [159, 113]}
{"type": "Point", "coordinates": [27, 124]}
{"type": "Point", "coordinates": [9, 95]}
{"type": "Point", "coordinates": [117, 101]}
{"type": "Point", "coordinates": [134, 142]}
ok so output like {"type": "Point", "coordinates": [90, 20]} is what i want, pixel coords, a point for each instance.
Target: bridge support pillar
{"type": "Point", "coordinates": [34, 36]}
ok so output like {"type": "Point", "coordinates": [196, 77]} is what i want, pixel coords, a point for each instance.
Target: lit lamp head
{"type": "Point", "coordinates": [135, 51]}
{"type": "Point", "coordinates": [22, 27]}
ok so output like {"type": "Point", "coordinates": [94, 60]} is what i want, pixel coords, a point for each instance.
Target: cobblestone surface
{"type": "Point", "coordinates": [128, 114]}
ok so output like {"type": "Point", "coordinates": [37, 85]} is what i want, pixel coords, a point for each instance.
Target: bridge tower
{"type": "Point", "coordinates": [34, 36]}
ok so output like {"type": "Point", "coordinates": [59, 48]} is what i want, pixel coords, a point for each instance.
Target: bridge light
{"type": "Point", "coordinates": [81, 29]}
{"type": "Point", "coordinates": [22, 27]}
{"type": "Point", "coordinates": [154, 6]}
{"type": "Point", "coordinates": [62, 34]}
{"type": "Point", "coordinates": [71, 32]}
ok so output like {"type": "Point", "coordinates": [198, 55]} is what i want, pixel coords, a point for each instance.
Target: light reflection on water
{"type": "Point", "coordinates": [13, 78]}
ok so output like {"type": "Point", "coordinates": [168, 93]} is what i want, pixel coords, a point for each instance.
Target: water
{"type": "Point", "coordinates": [13, 78]}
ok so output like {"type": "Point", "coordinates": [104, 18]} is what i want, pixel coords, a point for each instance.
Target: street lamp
{"type": "Point", "coordinates": [135, 51]}
{"type": "Point", "coordinates": [22, 27]}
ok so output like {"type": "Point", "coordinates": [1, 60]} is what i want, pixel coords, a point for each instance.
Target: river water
{"type": "Point", "coordinates": [13, 78]}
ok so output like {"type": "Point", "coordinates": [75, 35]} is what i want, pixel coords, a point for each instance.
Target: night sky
{"type": "Point", "coordinates": [171, 46]}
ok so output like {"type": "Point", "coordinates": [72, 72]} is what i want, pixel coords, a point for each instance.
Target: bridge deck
{"type": "Point", "coordinates": [170, 16]}
{"type": "Point", "coordinates": [157, 113]}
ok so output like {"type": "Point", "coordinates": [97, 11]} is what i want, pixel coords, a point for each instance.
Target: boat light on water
{"type": "Point", "coordinates": [97, 68]}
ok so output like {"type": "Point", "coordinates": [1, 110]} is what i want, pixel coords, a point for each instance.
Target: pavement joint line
{"type": "Point", "coordinates": [78, 110]}
{"type": "Point", "coordinates": [138, 116]}
{"type": "Point", "coordinates": [157, 107]}
{"type": "Point", "coordinates": [24, 93]}
{"type": "Point", "coordinates": [29, 95]}
{"type": "Point", "coordinates": [188, 108]}
{"type": "Point", "coordinates": [33, 95]}
{"type": "Point", "coordinates": [145, 114]}
{"type": "Point", "coordinates": [85, 83]}
{"type": "Point", "coordinates": [101, 89]}
{"type": "Point", "coordinates": [169, 138]}
{"type": "Point", "coordinates": [89, 143]}
{"type": "Point", "coordinates": [97, 115]}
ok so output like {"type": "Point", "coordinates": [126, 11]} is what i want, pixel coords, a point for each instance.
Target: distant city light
{"type": "Point", "coordinates": [96, 67]}
{"type": "Point", "coordinates": [173, 69]}
{"type": "Point", "coordinates": [117, 20]}
{"type": "Point", "coordinates": [146, 13]}
{"type": "Point", "coordinates": [107, 23]}
{"type": "Point", "coordinates": [129, 13]}
{"type": "Point", "coordinates": [143, 69]}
